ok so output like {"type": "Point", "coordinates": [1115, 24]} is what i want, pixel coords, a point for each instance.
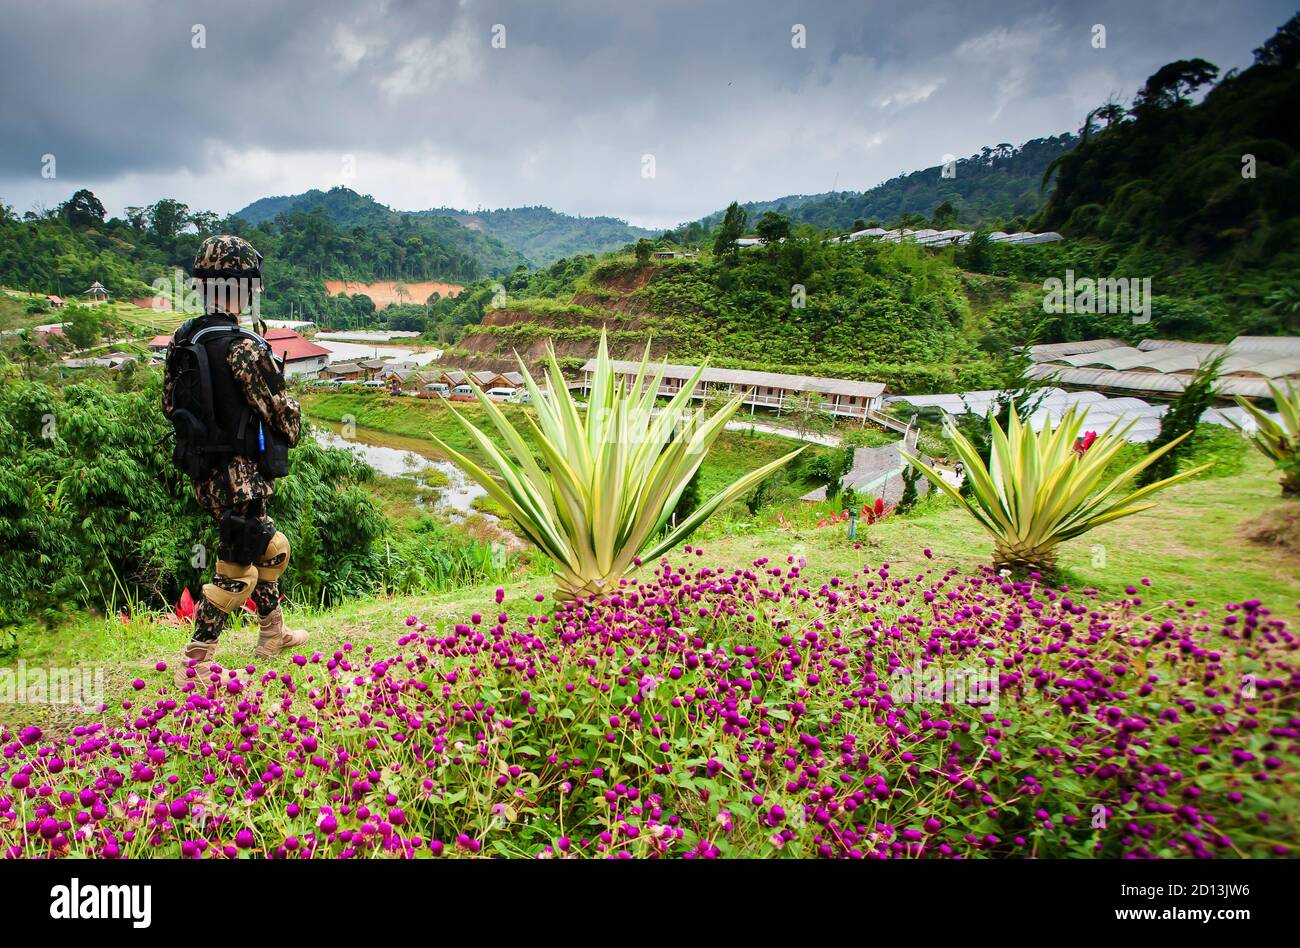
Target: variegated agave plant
{"type": "Point", "coordinates": [1279, 441]}
{"type": "Point", "coordinates": [609, 478]}
{"type": "Point", "coordinates": [1042, 488]}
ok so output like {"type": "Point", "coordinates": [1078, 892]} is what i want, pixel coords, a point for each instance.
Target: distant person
{"type": "Point", "coordinates": [224, 393]}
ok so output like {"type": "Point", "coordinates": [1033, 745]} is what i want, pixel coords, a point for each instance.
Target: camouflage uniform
{"type": "Point", "coordinates": [238, 485]}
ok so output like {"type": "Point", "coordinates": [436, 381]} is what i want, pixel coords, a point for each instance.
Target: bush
{"type": "Point", "coordinates": [93, 515]}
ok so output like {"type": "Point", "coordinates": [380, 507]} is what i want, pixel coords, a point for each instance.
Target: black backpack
{"type": "Point", "coordinates": [210, 419]}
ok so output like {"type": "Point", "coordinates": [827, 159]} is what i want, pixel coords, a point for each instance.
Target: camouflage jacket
{"type": "Point", "coordinates": [238, 481]}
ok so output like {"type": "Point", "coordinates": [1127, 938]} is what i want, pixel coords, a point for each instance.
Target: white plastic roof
{"type": "Point", "coordinates": [1102, 411]}
{"type": "Point", "coordinates": [1244, 358]}
{"type": "Point", "coordinates": [1144, 381]}
{"type": "Point", "coordinates": [1054, 350]}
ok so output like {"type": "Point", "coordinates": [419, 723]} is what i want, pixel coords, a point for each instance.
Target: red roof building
{"type": "Point", "coordinates": [301, 356]}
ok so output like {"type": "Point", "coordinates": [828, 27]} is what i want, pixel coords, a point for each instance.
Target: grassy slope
{"type": "Point", "coordinates": [1190, 547]}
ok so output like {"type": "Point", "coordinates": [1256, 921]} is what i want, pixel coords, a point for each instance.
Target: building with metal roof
{"type": "Point", "coordinates": [929, 237]}
{"type": "Point", "coordinates": [844, 397]}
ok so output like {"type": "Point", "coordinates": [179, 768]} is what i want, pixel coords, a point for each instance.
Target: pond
{"type": "Point", "coordinates": [456, 492]}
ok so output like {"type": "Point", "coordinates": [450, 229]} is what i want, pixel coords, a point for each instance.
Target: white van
{"type": "Point", "coordinates": [500, 394]}
{"type": "Point", "coordinates": [437, 388]}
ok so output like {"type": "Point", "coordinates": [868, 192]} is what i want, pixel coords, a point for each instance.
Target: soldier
{"type": "Point", "coordinates": [224, 392]}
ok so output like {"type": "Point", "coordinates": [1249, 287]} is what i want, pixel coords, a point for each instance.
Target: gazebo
{"type": "Point", "coordinates": [98, 293]}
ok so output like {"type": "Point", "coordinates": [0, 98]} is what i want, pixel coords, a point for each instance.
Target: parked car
{"type": "Point", "coordinates": [437, 388]}
{"type": "Point", "coordinates": [374, 383]}
{"type": "Point", "coordinates": [324, 383]}
{"type": "Point", "coordinates": [463, 391]}
{"type": "Point", "coordinates": [500, 394]}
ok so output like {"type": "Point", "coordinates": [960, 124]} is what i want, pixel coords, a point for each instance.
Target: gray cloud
{"type": "Point", "coordinates": [432, 114]}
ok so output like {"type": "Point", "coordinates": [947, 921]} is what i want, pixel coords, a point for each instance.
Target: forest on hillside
{"type": "Point", "coordinates": [999, 186]}
{"type": "Point", "coordinates": [1168, 177]}
{"type": "Point", "coordinates": [64, 249]}
{"type": "Point", "coordinates": [543, 235]}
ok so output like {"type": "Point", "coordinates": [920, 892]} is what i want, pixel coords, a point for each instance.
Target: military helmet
{"type": "Point", "coordinates": [227, 256]}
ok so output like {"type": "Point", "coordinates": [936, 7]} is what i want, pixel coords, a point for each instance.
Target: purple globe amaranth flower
{"type": "Point", "coordinates": [820, 706]}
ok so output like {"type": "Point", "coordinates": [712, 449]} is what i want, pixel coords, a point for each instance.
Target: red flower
{"type": "Point", "coordinates": [1081, 445]}
{"type": "Point", "coordinates": [185, 608]}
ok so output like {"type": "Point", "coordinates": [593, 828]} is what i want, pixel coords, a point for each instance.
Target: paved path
{"type": "Point", "coordinates": [831, 440]}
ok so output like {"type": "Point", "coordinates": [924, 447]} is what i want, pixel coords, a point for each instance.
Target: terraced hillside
{"type": "Point", "coordinates": [880, 311]}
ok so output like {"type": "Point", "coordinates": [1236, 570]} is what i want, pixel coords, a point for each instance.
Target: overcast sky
{"type": "Point", "coordinates": [432, 114]}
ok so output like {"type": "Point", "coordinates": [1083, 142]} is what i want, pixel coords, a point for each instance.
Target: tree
{"type": "Point", "coordinates": [729, 231]}
{"type": "Point", "coordinates": [82, 327]}
{"type": "Point", "coordinates": [167, 218]}
{"type": "Point", "coordinates": [83, 209]}
{"type": "Point", "coordinates": [30, 353]}
{"type": "Point", "coordinates": [1181, 419]}
{"type": "Point", "coordinates": [808, 412]}
{"type": "Point", "coordinates": [643, 248]}
{"type": "Point", "coordinates": [1283, 48]}
{"type": "Point", "coordinates": [976, 254]}
{"type": "Point", "coordinates": [773, 227]}
{"type": "Point", "coordinates": [1112, 113]}
{"type": "Point", "coordinates": [909, 498]}
{"type": "Point", "coordinates": [137, 217]}
{"type": "Point", "coordinates": [945, 215]}
{"type": "Point", "coordinates": [1171, 84]}
{"type": "Point", "coordinates": [205, 222]}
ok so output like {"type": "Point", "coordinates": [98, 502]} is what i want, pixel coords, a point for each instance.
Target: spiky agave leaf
{"type": "Point", "coordinates": [609, 479]}
{"type": "Point", "coordinates": [1279, 440]}
{"type": "Point", "coordinates": [1037, 491]}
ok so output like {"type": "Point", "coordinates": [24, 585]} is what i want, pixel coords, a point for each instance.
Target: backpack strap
{"type": "Point", "coordinates": [238, 330]}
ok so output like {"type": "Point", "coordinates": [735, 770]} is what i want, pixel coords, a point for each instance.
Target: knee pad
{"type": "Point", "coordinates": [230, 585]}
{"type": "Point", "coordinates": [275, 560]}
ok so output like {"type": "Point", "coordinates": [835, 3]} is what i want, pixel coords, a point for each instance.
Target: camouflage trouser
{"type": "Point", "coordinates": [209, 618]}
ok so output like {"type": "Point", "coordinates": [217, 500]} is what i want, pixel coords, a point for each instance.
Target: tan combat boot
{"type": "Point", "coordinates": [201, 654]}
{"type": "Point", "coordinates": [274, 638]}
